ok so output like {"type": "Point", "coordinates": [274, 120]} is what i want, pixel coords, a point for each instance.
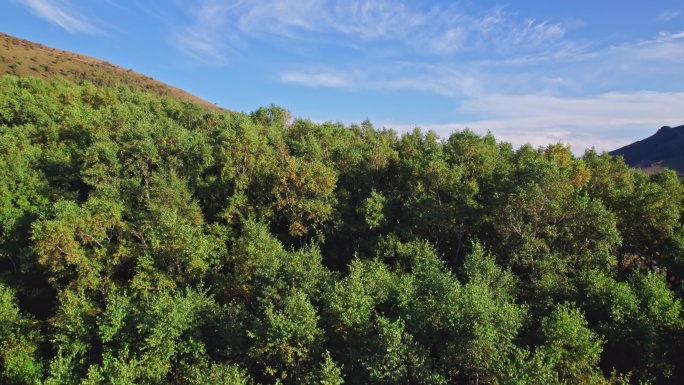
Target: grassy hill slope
{"type": "Point", "coordinates": [25, 58]}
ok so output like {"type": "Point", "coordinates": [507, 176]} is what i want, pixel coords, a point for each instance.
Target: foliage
{"type": "Point", "coordinates": [146, 240]}
{"type": "Point", "coordinates": [19, 360]}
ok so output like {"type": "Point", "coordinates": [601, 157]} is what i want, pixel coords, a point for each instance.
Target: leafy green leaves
{"type": "Point", "coordinates": [19, 339]}
{"type": "Point", "coordinates": [148, 241]}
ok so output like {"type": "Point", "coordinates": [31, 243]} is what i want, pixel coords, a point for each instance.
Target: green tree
{"type": "Point", "coordinates": [439, 202]}
{"type": "Point", "coordinates": [641, 321]}
{"type": "Point", "coordinates": [351, 304]}
{"type": "Point", "coordinates": [73, 336]}
{"type": "Point", "coordinates": [650, 217]}
{"type": "Point", "coordinates": [157, 340]}
{"type": "Point", "coordinates": [396, 358]}
{"type": "Point", "coordinates": [549, 229]}
{"type": "Point", "coordinates": [24, 191]}
{"type": "Point", "coordinates": [244, 165]}
{"type": "Point", "coordinates": [20, 337]}
{"type": "Point", "coordinates": [489, 320]}
{"type": "Point", "coordinates": [173, 234]}
{"type": "Point", "coordinates": [78, 245]}
{"type": "Point", "coordinates": [469, 329]}
{"type": "Point", "coordinates": [571, 347]}
{"type": "Point", "coordinates": [303, 193]}
{"type": "Point", "coordinates": [329, 372]}
{"type": "Point", "coordinates": [287, 339]}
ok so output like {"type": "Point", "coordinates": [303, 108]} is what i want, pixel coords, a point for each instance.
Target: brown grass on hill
{"type": "Point", "coordinates": [25, 58]}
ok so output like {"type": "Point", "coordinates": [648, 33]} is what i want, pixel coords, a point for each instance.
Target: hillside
{"type": "Point", "coordinates": [653, 154]}
{"type": "Point", "coordinates": [25, 58]}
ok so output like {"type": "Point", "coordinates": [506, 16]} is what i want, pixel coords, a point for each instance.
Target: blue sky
{"type": "Point", "coordinates": [587, 73]}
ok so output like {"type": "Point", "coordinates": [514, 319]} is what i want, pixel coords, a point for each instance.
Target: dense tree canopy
{"type": "Point", "coordinates": [145, 240]}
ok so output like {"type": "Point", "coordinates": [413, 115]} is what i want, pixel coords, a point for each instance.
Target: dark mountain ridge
{"type": "Point", "coordinates": [653, 154]}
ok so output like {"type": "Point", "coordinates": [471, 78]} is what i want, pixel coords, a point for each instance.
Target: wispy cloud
{"type": "Point", "coordinates": [436, 30]}
{"type": "Point", "coordinates": [319, 79]}
{"type": "Point", "coordinates": [622, 107]}
{"type": "Point", "coordinates": [664, 37]}
{"type": "Point", "coordinates": [368, 20]}
{"type": "Point", "coordinates": [62, 14]}
{"type": "Point", "coordinates": [203, 39]}
{"type": "Point", "coordinates": [496, 31]}
{"type": "Point", "coordinates": [574, 69]}
{"type": "Point", "coordinates": [451, 40]}
{"type": "Point", "coordinates": [537, 33]}
{"type": "Point", "coordinates": [379, 19]}
{"type": "Point", "coordinates": [429, 78]}
{"type": "Point", "coordinates": [284, 17]}
{"type": "Point", "coordinates": [668, 16]}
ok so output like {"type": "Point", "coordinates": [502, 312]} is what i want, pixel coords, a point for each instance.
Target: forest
{"type": "Point", "coordinates": [145, 240]}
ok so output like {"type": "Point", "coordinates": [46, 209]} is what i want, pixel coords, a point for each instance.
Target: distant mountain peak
{"type": "Point", "coordinates": [653, 154]}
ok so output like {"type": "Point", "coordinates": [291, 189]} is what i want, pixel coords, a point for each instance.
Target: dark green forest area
{"type": "Point", "coordinates": [144, 240]}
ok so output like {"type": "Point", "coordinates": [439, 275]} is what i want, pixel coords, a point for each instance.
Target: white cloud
{"type": "Point", "coordinates": [320, 79]}
{"type": "Point", "coordinates": [511, 75]}
{"type": "Point", "coordinates": [441, 31]}
{"type": "Point", "coordinates": [452, 40]}
{"type": "Point", "coordinates": [537, 33]}
{"type": "Point", "coordinates": [378, 19]}
{"type": "Point", "coordinates": [205, 39]}
{"type": "Point", "coordinates": [62, 14]}
{"type": "Point", "coordinates": [279, 17]}
{"type": "Point", "coordinates": [525, 103]}
{"type": "Point", "coordinates": [363, 19]}
{"type": "Point", "coordinates": [668, 15]}
{"type": "Point", "coordinates": [605, 121]}
{"type": "Point", "coordinates": [201, 46]}
{"type": "Point", "coordinates": [580, 70]}
{"type": "Point", "coordinates": [622, 106]}
{"type": "Point", "coordinates": [435, 79]}
{"type": "Point", "coordinates": [667, 36]}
